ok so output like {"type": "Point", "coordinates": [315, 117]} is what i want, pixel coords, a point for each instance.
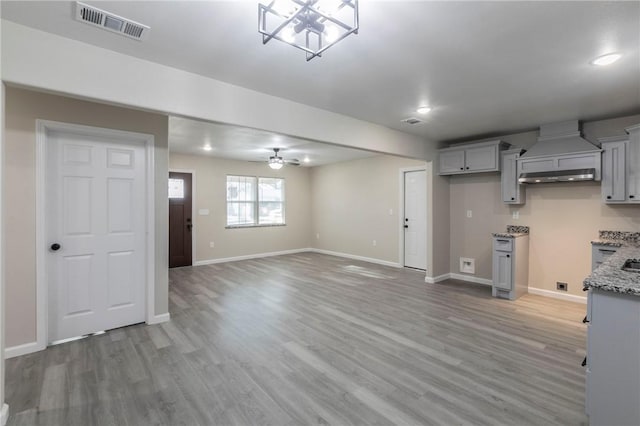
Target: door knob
{"type": "Point", "coordinates": [55, 247]}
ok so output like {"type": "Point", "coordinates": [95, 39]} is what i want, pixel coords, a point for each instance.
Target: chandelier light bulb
{"type": "Point", "coordinates": [288, 34]}
{"type": "Point", "coordinates": [331, 33]}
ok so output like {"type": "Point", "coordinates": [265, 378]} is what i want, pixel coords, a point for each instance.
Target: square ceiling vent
{"type": "Point", "coordinates": [110, 22]}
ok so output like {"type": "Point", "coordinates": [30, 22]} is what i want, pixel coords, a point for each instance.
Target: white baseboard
{"type": "Point", "coordinates": [249, 256]}
{"type": "Point", "coordinates": [157, 319]}
{"type": "Point", "coordinates": [470, 278]}
{"type": "Point", "coordinates": [26, 348]}
{"type": "Point", "coordinates": [354, 257]}
{"type": "Point", "coordinates": [558, 295]}
{"type": "Point", "coordinates": [433, 280]}
{"type": "Point", "coordinates": [4, 414]}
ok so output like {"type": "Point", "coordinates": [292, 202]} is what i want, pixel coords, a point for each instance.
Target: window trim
{"type": "Point", "coordinates": [256, 203]}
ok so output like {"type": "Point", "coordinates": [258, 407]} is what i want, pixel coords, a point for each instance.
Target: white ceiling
{"type": "Point", "coordinates": [485, 67]}
{"type": "Point", "coordinates": [188, 136]}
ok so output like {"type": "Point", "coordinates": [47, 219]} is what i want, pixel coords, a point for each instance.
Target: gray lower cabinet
{"type": "Point", "coordinates": [512, 191]}
{"type": "Point", "coordinates": [510, 267]}
{"type": "Point", "coordinates": [600, 253]}
{"type": "Point", "coordinates": [613, 359]}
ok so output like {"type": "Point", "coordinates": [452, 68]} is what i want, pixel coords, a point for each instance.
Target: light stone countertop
{"type": "Point", "coordinates": [509, 234]}
{"type": "Point", "coordinates": [513, 231]}
{"type": "Point", "coordinates": [610, 277]}
{"type": "Point", "coordinates": [609, 243]}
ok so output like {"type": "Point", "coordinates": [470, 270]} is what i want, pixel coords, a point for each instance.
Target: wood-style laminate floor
{"type": "Point", "coordinates": [314, 339]}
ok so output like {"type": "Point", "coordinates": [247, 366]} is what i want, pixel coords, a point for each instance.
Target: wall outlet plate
{"type": "Point", "coordinates": [562, 286]}
{"type": "Point", "coordinates": [467, 265]}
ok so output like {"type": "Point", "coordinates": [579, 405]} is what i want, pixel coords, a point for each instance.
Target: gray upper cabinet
{"type": "Point", "coordinates": [633, 161]}
{"type": "Point", "coordinates": [614, 169]}
{"type": "Point", "coordinates": [512, 191]}
{"type": "Point", "coordinates": [621, 168]}
{"type": "Point", "coordinates": [471, 158]}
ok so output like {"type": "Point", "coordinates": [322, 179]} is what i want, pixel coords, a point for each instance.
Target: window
{"type": "Point", "coordinates": [176, 188]}
{"type": "Point", "coordinates": [255, 201]}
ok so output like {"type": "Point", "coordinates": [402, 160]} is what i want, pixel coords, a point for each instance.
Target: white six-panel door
{"type": "Point", "coordinates": [415, 219]}
{"type": "Point", "coordinates": [95, 208]}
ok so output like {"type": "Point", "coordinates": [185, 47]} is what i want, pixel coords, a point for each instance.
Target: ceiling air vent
{"type": "Point", "coordinates": [110, 22]}
{"type": "Point", "coordinates": [412, 120]}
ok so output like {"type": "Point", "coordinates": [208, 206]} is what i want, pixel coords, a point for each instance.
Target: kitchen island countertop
{"type": "Point", "coordinates": [610, 276]}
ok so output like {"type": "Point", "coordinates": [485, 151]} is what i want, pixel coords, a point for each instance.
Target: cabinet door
{"type": "Point", "coordinates": [451, 162]}
{"type": "Point", "coordinates": [502, 262]}
{"type": "Point", "coordinates": [512, 191]}
{"type": "Point", "coordinates": [483, 158]}
{"type": "Point", "coordinates": [614, 171]}
{"type": "Point", "coordinates": [633, 162]}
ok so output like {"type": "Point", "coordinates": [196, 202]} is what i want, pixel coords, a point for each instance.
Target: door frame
{"type": "Point", "coordinates": [42, 283]}
{"type": "Point", "coordinates": [401, 212]}
{"type": "Point", "coordinates": [192, 172]}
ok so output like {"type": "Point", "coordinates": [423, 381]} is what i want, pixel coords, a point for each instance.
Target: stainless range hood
{"type": "Point", "coordinates": [558, 176]}
{"type": "Point", "coordinates": [560, 155]}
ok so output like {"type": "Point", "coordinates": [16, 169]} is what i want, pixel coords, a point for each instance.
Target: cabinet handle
{"type": "Point", "coordinates": [467, 167]}
{"type": "Point", "coordinates": [632, 196]}
{"type": "Point", "coordinates": [584, 362]}
{"type": "Point", "coordinates": [585, 320]}
{"type": "Point", "coordinates": [513, 198]}
{"type": "Point", "coordinates": [508, 255]}
{"type": "Point", "coordinates": [608, 197]}
{"type": "Point", "coordinates": [461, 168]}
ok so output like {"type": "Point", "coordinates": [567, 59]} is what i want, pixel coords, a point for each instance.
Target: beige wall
{"type": "Point", "coordinates": [350, 206]}
{"type": "Point", "coordinates": [439, 230]}
{"type": "Point", "coordinates": [211, 176]}
{"type": "Point", "coordinates": [22, 109]}
{"type": "Point", "coordinates": [564, 218]}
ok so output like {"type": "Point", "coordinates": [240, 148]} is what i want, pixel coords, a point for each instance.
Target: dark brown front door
{"type": "Point", "coordinates": [180, 219]}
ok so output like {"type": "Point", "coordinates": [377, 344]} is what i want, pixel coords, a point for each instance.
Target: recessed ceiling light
{"type": "Point", "coordinates": [306, 159]}
{"type": "Point", "coordinates": [423, 110]}
{"type": "Point", "coordinates": [607, 59]}
{"type": "Point", "coordinates": [207, 148]}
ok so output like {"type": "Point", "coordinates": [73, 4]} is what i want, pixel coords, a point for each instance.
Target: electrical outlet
{"type": "Point", "coordinates": [375, 243]}
{"type": "Point", "coordinates": [469, 213]}
{"type": "Point", "coordinates": [390, 212]}
{"type": "Point", "coordinates": [562, 286]}
{"type": "Point", "coordinates": [211, 244]}
{"type": "Point", "coordinates": [318, 236]}
{"type": "Point", "coordinates": [515, 214]}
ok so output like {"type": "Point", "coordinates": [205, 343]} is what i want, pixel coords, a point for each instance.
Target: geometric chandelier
{"type": "Point", "coordinates": [310, 25]}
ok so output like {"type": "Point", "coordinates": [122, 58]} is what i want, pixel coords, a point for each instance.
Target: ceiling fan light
{"type": "Point", "coordinates": [276, 162]}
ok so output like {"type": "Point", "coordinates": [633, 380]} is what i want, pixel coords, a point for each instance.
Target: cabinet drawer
{"type": "Point", "coordinates": [503, 244]}
{"type": "Point", "coordinates": [599, 254]}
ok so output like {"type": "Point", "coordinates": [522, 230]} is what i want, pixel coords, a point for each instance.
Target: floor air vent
{"type": "Point", "coordinates": [110, 22]}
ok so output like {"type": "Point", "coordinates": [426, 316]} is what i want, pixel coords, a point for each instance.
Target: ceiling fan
{"type": "Point", "coordinates": [276, 161]}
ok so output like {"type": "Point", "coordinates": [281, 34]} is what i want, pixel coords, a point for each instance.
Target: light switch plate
{"type": "Point", "coordinates": [203, 212]}
{"type": "Point", "coordinates": [469, 213]}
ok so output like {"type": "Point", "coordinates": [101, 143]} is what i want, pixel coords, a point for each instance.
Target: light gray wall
{"type": "Point", "coordinates": [564, 218]}
{"type": "Point", "coordinates": [211, 174]}
{"type": "Point", "coordinates": [23, 107]}
{"type": "Point", "coordinates": [350, 206]}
